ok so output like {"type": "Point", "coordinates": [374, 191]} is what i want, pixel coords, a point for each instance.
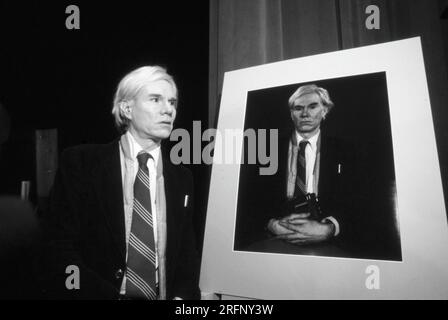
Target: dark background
{"type": "Point", "coordinates": [360, 115]}
{"type": "Point", "coordinates": [52, 77]}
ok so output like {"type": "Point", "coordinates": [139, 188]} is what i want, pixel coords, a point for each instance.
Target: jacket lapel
{"type": "Point", "coordinates": [283, 148]}
{"type": "Point", "coordinates": [327, 160]}
{"type": "Point", "coordinates": [110, 194]}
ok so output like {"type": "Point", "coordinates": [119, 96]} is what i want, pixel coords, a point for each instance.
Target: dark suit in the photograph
{"type": "Point", "coordinates": [342, 172]}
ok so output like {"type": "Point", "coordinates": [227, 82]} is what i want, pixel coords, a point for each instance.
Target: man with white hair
{"type": "Point", "coordinates": [309, 106]}
{"type": "Point", "coordinates": [122, 212]}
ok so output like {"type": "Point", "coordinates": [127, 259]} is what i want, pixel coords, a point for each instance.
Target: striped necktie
{"type": "Point", "coordinates": [301, 189]}
{"type": "Point", "coordinates": [141, 264]}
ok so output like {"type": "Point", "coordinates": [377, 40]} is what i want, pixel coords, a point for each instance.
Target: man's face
{"type": "Point", "coordinates": [153, 111]}
{"type": "Point", "coordinates": [307, 114]}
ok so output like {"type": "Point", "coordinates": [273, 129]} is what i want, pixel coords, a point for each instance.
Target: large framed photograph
{"type": "Point", "coordinates": [335, 190]}
{"type": "Point", "coordinates": [356, 171]}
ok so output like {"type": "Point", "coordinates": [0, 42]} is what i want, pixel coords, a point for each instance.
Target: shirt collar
{"type": "Point", "coordinates": [135, 148]}
{"type": "Point", "coordinates": [312, 140]}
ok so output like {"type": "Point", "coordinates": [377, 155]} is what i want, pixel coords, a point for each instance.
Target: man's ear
{"type": "Point", "coordinates": [126, 108]}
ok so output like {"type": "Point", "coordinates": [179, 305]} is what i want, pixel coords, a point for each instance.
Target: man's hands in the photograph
{"type": "Point", "coordinates": [296, 228]}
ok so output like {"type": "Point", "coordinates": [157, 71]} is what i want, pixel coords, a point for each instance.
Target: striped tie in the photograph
{"type": "Point", "coordinates": [301, 169]}
{"type": "Point", "coordinates": [141, 264]}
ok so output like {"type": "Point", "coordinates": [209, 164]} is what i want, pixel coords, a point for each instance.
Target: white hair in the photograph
{"type": "Point", "coordinates": [312, 88]}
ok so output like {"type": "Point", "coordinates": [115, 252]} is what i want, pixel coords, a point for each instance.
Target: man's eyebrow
{"type": "Point", "coordinates": [158, 95]}
{"type": "Point", "coordinates": [302, 106]}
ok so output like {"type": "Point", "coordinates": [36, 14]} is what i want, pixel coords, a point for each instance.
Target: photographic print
{"type": "Point", "coordinates": [352, 180]}
{"type": "Point", "coordinates": [360, 223]}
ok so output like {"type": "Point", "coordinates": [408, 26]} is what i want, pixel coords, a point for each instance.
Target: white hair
{"type": "Point", "coordinates": [312, 88]}
{"type": "Point", "coordinates": [130, 86]}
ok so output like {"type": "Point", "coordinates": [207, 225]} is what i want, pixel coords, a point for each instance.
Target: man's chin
{"type": "Point", "coordinates": [161, 135]}
{"type": "Point", "coordinates": [306, 129]}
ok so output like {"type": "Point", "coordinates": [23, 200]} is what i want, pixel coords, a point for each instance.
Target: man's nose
{"type": "Point", "coordinates": [305, 113]}
{"type": "Point", "coordinates": [167, 108]}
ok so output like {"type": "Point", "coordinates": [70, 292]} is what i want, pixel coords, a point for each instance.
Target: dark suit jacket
{"type": "Point", "coordinates": [345, 195]}
{"type": "Point", "coordinates": [85, 226]}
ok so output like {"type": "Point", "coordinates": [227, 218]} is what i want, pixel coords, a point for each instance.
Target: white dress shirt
{"type": "Point", "coordinates": [135, 148]}
{"type": "Point", "coordinates": [310, 159]}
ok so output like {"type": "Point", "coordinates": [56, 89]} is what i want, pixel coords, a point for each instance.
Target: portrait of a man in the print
{"type": "Point", "coordinates": [334, 191]}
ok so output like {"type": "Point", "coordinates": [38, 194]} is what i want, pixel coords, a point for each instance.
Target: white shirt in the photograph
{"type": "Point", "coordinates": [310, 159]}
